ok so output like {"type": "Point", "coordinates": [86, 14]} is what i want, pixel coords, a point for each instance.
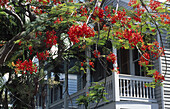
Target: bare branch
{"type": "Point", "coordinates": [8, 48]}
{"type": "Point", "coordinates": [117, 5]}
{"type": "Point", "coordinates": [91, 13]}
{"type": "Point", "coordinates": [142, 55]}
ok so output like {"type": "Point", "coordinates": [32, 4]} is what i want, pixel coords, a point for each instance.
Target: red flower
{"type": "Point", "coordinates": [3, 2]}
{"type": "Point", "coordinates": [154, 5]}
{"type": "Point", "coordinates": [91, 64]}
{"type": "Point", "coordinates": [158, 77]}
{"type": "Point", "coordinates": [30, 48]}
{"type": "Point", "coordinates": [145, 85]}
{"type": "Point", "coordinates": [153, 30]}
{"type": "Point", "coordinates": [83, 11]}
{"type": "Point", "coordinates": [51, 38]}
{"type": "Point", "coordinates": [111, 58]}
{"type": "Point", "coordinates": [25, 66]}
{"type": "Point", "coordinates": [42, 55]}
{"type": "Point", "coordinates": [98, 12]}
{"type": "Point", "coordinates": [96, 54]}
{"type": "Point", "coordinates": [20, 42]}
{"type": "Point", "coordinates": [144, 59]}
{"type": "Point", "coordinates": [82, 64]}
{"type": "Point", "coordinates": [75, 32]}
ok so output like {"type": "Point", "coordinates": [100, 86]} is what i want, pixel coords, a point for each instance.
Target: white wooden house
{"type": "Point", "coordinates": [125, 90]}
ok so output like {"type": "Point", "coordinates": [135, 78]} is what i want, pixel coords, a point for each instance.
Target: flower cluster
{"type": "Point", "coordinates": [144, 60]}
{"type": "Point", "coordinates": [20, 42]}
{"type": "Point", "coordinates": [56, 2]}
{"type": "Point", "coordinates": [83, 11]}
{"type": "Point", "coordinates": [134, 3]}
{"type": "Point", "coordinates": [76, 31]}
{"type": "Point", "coordinates": [158, 77]}
{"type": "Point", "coordinates": [138, 14]}
{"type": "Point", "coordinates": [51, 38]}
{"type": "Point", "coordinates": [31, 50]}
{"type": "Point", "coordinates": [132, 36]}
{"type": "Point", "coordinates": [122, 17]}
{"type": "Point", "coordinates": [139, 10]}
{"type": "Point", "coordinates": [3, 2]}
{"type": "Point", "coordinates": [90, 63]}
{"type": "Point", "coordinates": [25, 66]}
{"type": "Point", "coordinates": [98, 12]}
{"type": "Point", "coordinates": [58, 20]}
{"type": "Point", "coordinates": [154, 5]}
{"type": "Point", "coordinates": [39, 33]}
{"type": "Point", "coordinates": [165, 18]}
{"type": "Point", "coordinates": [42, 55]}
{"type": "Point", "coordinates": [154, 49]}
{"type": "Point", "coordinates": [111, 58]}
{"type": "Point", "coordinates": [96, 53]}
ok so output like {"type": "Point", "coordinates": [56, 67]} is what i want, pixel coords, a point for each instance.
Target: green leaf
{"type": "Point", "coordinates": [150, 72]}
{"type": "Point", "coordinates": [17, 41]}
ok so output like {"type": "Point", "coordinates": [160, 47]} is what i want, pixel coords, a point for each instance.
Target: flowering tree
{"type": "Point", "coordinates": [29, 28]}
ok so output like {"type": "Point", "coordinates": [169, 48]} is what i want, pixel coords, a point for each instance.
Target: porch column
{"type": "Point", "coordinates": [115, 79]}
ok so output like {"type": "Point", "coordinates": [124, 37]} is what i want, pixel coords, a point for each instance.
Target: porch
{"type": "Point", "coordinates": [120, 88]}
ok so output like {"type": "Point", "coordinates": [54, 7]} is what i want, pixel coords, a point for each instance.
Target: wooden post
{"type": "Point", "coordinates": [115, 79]}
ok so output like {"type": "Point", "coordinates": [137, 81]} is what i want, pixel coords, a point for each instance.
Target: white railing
{"type": "Point", "coordinates": [130, 88]}
{"type": "Point", "coordinates": [133, 87]}
{"type": "Point", "coordinates": [108, 90]}
{"type": "Point", "coordinates": [108, 87]}
{"type": "Point", "coordinates": [71, 101]}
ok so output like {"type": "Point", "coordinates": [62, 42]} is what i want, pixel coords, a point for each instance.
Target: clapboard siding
{"type": "Point", "coordinates": [165, 65]}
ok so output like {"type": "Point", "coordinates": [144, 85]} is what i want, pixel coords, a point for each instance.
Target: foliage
{"type": "Point", "coordinates": [97, 94]}
{"type": "Point", "coordinates": [31, 28]}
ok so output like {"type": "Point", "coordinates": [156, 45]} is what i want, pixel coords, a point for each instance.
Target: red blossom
{"type": "Point", "coordinates": [82, 64]}
{"type": "Point", "coordinates": [158, 77]}
{"type": "Point", "coordinates": [111, 58]}
{"type": "Point", "coordinates": [31, 50]}
{"type": "Point", "coordinates": [132, 36]}
{"type": "Point", "coordinates": [3, 2]}
{"type": "Point", "coordinates": [134, 3]}
{"type": "Point", "coordinates": [42, 55]}
{"type": "Point", "coordinates": [91, 64]}
{"type": "Point", "coordinates": [154, 5]}
{"type": "Point", "coordinates": [76, 31]}
{"type": "Point", "coordinates": [51, 38]}
{"type": "Point", "coordinates": [83, 11]}
{"type": "Point", "coordinates": [25, 66]}
{"type": "Point", "coordinates": [96, 54]}
{"type": "Point", "coordinates": [98, 12]}
{"type": "Point", "coordinates": [144, 60]}
{"type": "Point", "coordinates": [19, 42]}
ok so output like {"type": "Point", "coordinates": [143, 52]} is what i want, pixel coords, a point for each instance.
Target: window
{"type": "Point", "coordinates": [123, 61]}
{"type": "Point", "coordinates": [128, 62]}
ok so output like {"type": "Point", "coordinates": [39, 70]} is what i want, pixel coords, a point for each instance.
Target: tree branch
{"type": "Point", "coordinates": [8, 48]}
{"type": "Point", "coordinates": [16, 16]}
{"type": "Point", "coordinates": [91, 12]}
